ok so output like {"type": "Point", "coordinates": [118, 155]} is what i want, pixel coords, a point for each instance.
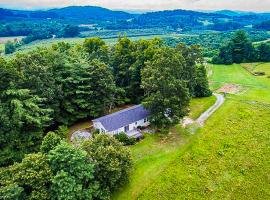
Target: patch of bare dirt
{"type": "Point", "coordinates": [187, 121]}
{"type": "Point", "coordinates": [230, 89]}
{"type": "Point", "coordinates": [4, 40]}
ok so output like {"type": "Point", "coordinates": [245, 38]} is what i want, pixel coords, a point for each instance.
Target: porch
{"type": "Point", "coordinates": [135, 133]}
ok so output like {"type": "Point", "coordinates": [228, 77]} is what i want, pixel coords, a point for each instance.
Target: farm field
{"type": "Point", "coordinates": [73, 41]}
{"type": "Point", "coordinates": [4, 40]}
{"type": "Point", "coordinates": [258, 67]}
{"type": "Point", "coordinates": [226, 159]}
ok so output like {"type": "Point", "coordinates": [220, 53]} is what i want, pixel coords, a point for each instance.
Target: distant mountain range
{"type": "Point", "coordinates": [176, 19]}
{"type": "Point", "coordinates": [239, 13]}
{"type": "Point", "coordinates": [72, 12]}
{"type": "Point", "coordinates": [94, 12]}
{"type": "Point", "coordinates": [91, 12]}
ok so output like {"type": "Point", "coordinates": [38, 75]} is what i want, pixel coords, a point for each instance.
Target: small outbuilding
{"type": "Point", "coordinates": [127, 121]}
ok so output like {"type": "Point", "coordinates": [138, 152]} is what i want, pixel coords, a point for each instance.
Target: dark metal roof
{"type": "Point", "coordinates": [123, 118]}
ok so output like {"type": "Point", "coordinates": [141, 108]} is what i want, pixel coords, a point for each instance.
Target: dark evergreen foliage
{"type": "Point", "coordinates": [240, 49]}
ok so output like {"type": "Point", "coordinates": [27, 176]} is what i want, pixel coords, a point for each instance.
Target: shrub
{"type": "Point", "coordinates": [10, 47]}
{"type": "Point", "coordinates": [122, 137]}
{"type": "Point", "coordinates": [259, 73]}
{"type": "Point", "coordinates": [50, 141]}
{"type": "Point", "coordinates": [95, 132]}
{"type": "Point", "coordinates": [62, 131]}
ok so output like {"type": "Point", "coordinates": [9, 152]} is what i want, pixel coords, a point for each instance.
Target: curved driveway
{"type": "Point", "coordinates": [204, 116]}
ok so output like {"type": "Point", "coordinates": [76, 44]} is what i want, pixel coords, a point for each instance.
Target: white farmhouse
{"type": "Point", "coordinates": [127, 121]}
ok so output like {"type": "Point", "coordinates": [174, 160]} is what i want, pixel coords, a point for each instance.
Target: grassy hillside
{"type": "Point", "coordinates": [228, 157]}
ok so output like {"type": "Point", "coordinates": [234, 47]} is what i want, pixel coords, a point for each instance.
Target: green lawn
{"type": "Point", "coordinates": [199, 105]}
{"type": "Point", "coordinates": [234, 74]}
{"type": "Point", "coordinates": [151, 156]}
{"type": "Point", "coordinates": [252, 87]}
{"type": "Point", "coordinates": [229, 159]}
{"type": "Point", "coordinates": [263, 67]}
{"type": "Point", "coordinates": [226, 159]}
{"type": "Point", "coordinates": [257, 67]}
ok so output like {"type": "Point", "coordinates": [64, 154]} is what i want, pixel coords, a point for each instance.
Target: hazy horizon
{"type": "Point", "coordinates": [151, 5]}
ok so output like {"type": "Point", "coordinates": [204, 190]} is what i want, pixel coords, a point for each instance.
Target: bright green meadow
{"type": "Point", "coordinates": [228, 158]}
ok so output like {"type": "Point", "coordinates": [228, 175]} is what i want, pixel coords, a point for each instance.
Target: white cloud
{"type": "Point", "coordinates": [248, 5]}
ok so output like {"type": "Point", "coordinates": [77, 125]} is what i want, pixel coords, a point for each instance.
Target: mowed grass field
{"type": "Point", "coordinates": [228, 158]}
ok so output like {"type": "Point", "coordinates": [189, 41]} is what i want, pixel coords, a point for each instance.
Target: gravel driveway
{"type": "Point", "coordinates": [204, 116]}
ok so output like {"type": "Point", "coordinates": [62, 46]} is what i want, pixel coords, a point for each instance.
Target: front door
{"type": "Point", "coordinates": [127, 128]}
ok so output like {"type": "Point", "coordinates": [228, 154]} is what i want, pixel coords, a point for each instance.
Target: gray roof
{"type": "Point", "coordinates": [123, 118]}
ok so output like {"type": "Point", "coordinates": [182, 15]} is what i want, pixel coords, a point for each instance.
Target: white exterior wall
{"type": "Point", "coordinates": [98, 125]}
{"type": "Point", "coordinates": [132, 126]}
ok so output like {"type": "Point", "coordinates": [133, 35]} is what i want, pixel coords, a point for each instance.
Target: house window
{"type": "Point", "coordinates": [136, 123]}
{"type": "Point", "coordinates": [126, 128]}
{"type": "Point", "coordinates": [145, 120]}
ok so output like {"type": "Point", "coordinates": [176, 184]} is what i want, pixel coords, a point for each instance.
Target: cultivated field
{"type": "Point", "coordinates": [226, 159]}
{"type": "Point", "coordinates": [78, 40]}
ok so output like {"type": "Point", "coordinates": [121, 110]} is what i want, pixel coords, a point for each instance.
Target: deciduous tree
{"type": "Point", "coordinates": [72, 173]}
{"type": "Point", "coordinates": [167, 95]}
{"type": "Point", "coordinates": [112, 162]}
{"type": "Point", "coordinates": [29, 179]}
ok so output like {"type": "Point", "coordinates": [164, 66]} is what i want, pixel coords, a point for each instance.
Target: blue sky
{"type": "Point", "coordinates": [245, 5]}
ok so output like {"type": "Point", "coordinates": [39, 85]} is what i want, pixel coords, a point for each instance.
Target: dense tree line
{"type": "Point", "coordinates": [225, 26]}
{"type": "Point", "coordinates": [265, 25]}
{"type": "Point", "coordinates": [35, 31]}
{"type": "Point", "coordinates": [240, 49]}
{"type": "Point", "coordinates": [211, 42]}
{"type": "Point", "coordinates": [172, 77]}
{"type": "Point", "coordinates": [28, 28]}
